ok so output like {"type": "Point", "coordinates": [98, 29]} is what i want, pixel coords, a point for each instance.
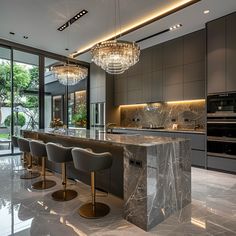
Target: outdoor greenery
{"type": "Point", "coordinates": [80, 116]}
{"type": "Point", "coordinates": [25, 79]}
{"type": "Point", "coordinates": [17, 121]}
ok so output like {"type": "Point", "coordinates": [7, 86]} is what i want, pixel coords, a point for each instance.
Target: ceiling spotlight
{"type": "Point", "coordinates": [206, 11]}
{"type": "Point", "coordinates": [12, 33]}
{"type": "Point", "coordinates": [25, 37]}
{"type": "Point", "coordinates": [174, 27]}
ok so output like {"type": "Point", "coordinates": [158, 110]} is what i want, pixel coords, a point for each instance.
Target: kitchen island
{"type": "Point", "coordinates": [155, 173]}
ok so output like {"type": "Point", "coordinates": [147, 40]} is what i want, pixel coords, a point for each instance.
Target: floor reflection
{"type": "Point", "coordinates": [24, 211]}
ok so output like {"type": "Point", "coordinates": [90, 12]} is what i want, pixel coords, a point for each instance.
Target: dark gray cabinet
{"type": "Point", "coordinates": [221, 55]}
{"type": "Point", "coordinates": [231, 53]}
{"type": "Point", "coordinates": [216, 56]}
{"type": "Point", "coordinates": [173, 53]}
{"type": "Point", "coordinates": [171, 71]}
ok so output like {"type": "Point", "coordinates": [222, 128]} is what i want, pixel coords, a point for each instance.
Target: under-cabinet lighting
{"type": "Point", "coordinates": [133, 105]}
{"type": "Point", "coordinates": [186, 101]}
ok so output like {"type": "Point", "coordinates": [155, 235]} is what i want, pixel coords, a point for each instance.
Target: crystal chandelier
{"type": "Point", "coordinates": [115, 56]}
{"type": "Point", "coordinates": [69, 74]}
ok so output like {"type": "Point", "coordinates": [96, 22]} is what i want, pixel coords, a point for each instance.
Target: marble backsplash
{"type": "Point", "coordinates": [187, 115]}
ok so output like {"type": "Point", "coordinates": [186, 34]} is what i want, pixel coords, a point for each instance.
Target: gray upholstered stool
{"type": "Point", "coordinates": [60, 154]}
{"type": "Point", "coordinates": [38, 149]}
{"type": "Point", "coordinates": [87, 161]}
{"type": "Point", "coordinates": [25, 148]}
{"type": "Point", "coordinates": [14, 141]}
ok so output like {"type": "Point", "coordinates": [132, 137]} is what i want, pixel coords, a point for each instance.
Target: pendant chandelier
{"type": "Point", "coordinates": [115, 56]}
{"type": "Point", "coordinates": [69, 74]}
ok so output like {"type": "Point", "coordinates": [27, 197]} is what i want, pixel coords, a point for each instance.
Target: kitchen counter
{"type": "Point", "coordinates": [156, 170]}
{"type": "Point", "coordinates": [192, 131]}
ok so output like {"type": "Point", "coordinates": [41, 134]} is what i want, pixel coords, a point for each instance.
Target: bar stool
{"type": "Point", "coordinates": [25, 148]}
{"type": "Point", "coordinates": [87, 161]}
{"type": "Point", "coordinates": [14, 141]}
{"type": "Point", "coordinates": [38, 149]}
{"type": "Point", "coordinates": [59, 154]}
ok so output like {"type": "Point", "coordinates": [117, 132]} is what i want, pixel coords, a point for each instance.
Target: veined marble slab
{"type": "Point", "coordinates": [157, 173]}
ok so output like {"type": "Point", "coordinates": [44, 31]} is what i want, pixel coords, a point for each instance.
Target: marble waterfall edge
{"type": "Point", "coordinates": [160, 186]}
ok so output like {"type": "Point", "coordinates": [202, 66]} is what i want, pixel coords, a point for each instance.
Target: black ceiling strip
{"type": "Point", "coordinates": [153, 35]}
{"type": "Point", "coordinates": [148, 22]}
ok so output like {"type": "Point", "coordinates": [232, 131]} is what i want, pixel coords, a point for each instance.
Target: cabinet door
{"type": "Point", "coordinates": [157, 87]}
{"type": "Point", "coordinates": [194, 90]}
{"type": "Point", "coordinates": [173, 52]}
{"type": "Point", "coordinates": [194, 47]}
{"type": "Point", "coordinates": [120, 99]}
{"type": "Point", "coordinates": [231, 53]}
{"type": "Point", "coordinates": [147, 86]}
{"type": "Point", "coordinates": [216, 56]}
{"type": "Point", "coordinates": [173, 92]}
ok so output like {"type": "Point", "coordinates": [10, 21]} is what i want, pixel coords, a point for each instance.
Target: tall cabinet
{"type": "Point", "coordinates": [221, 55]}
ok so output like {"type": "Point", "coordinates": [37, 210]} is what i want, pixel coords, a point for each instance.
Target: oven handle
{"type": "Point", "coordinates": [221, 122]}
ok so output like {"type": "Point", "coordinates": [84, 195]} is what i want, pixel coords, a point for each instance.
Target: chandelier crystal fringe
{"type": "Point", "coordinates": [115, 56]}
{"type": "Point", "coordinates": [69, 74]}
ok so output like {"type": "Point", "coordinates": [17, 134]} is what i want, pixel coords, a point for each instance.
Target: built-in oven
{"type": "Point", "coordinates": [221, 132]}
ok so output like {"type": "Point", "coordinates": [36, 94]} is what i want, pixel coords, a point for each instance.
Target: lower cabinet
{"type": "Point", "coordinates": [198, 142]}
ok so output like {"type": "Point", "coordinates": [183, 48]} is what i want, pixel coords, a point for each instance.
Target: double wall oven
{"type": "Point", "coordinates": [221, 132]}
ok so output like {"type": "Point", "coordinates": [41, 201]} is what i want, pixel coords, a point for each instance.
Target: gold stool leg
{"type": "Point", "coordinates": [43, 184]}
{"type": "Point", "coordinates": [64, 194]}
{"type": "Point", "coordinates": [93, 210]}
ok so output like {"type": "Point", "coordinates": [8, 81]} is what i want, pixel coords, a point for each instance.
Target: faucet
{"type": "Point", "coordinates": [110, 126]}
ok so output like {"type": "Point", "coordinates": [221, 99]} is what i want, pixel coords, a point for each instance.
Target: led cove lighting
{"type": "Point", "coordinates": [136, 24]}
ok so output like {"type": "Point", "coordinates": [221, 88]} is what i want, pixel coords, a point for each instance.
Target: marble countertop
{"type": "Point", "coordinates": [191, 131]}
{"type": "Point", "coordinates": [124, 139]}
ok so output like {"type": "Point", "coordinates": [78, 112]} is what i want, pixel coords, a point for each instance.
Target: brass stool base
{"type": "Point", "coordinates": [88, 211]}
{"type": "Point", "coordinates": [30, 175]}
{"type": "Point", "coordinates": [43, 184]}
{"type": "Point", "coordinates": [64, 195]}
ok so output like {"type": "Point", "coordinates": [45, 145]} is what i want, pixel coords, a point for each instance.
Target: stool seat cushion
{"type": "Point", "coordinates": [38, 149]}
{"type": "Point", "coordinates": [88, 161]}
{"type": "Point", "coordinates": [23, 144]}
{"type": "Point", "coordinates": [57, 153]}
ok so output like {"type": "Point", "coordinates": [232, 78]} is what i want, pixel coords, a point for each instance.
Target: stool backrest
{"type": "Point", "coordinates": [58, 153]}
{"type": "Point", "coordinates": [23, 144]}
{"type": "Point", "coordinates": [87, 161]}
{"type": "Point", "coordinates": [14, 140]}
{"type": "Point", "coordinates": [38, 149]}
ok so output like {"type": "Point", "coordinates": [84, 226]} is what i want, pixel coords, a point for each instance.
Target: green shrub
{"type": "Point", "coordinates": [21, 120]}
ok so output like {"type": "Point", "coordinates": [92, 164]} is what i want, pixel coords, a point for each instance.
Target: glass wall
{"type": "Point", "coordinates": [5, 100]}
{"type": "Point", "coordinates": [26, 91]}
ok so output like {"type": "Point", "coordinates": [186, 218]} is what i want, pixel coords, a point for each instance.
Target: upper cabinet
{"type": "Point", "coordinates": [171, 71]}
{"type": "Point", "coordinates": [221, 55]}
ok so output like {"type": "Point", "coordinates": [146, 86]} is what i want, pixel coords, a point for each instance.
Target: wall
{"type": "Point", "coordinates": [164, 114]}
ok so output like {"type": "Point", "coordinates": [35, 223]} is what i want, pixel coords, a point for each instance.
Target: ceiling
{"type": "Point", "coordinates": [39, 20]}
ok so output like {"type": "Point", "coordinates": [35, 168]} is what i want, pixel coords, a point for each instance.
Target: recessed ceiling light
{"type": "Point", "coordinates": [206, 11]}
{"type": "Point", "coordinates": [12, 33]}
{"type": "Point", "coordinates": [67, 49]}
{"type": "Point", "coordinates": [174, 27]}
{"type": "Point", "coordinates": [25, 37]}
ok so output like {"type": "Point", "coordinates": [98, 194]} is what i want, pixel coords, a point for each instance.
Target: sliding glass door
{"type": "Point", "coordinates": [19, 98]}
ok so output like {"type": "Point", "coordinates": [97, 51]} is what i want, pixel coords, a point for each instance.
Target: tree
{"type": "Point", "coordinates": [21, 81]}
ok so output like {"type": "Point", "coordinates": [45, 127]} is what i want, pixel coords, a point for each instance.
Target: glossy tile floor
{"type": "Point", "coordinates": [27, 212]}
